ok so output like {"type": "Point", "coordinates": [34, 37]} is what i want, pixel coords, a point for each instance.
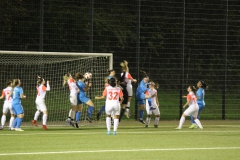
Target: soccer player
{"type": "Point", "coordinates": [40, 102]}
{"type": "Point", "coordinates": [111, 75]}
{"type": "Point", "coordinates": [7, 105]}
{"type": "Point", "coordinates": [128, 79]}
{"type": "Point", "coordinates": [82, 98]}
{"type": "Point", "coordinates": [152, 107]}
{"type": "Point", "coordinates": [192, 109]}
{"type": "Point", "coordinates": [68, 79]}
{"type": "Point", "coordinates": [17, 95]}
{"type": "Point", "coordinates": [201, 85]}
{"type": "Point", "coordinates": [142, 95]}
{"type": "Point", "coordinates": [112, 94]}
{"type": "Point", "coordinates": [123, 85]}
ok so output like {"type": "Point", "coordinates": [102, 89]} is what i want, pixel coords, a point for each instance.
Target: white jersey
{"type": "Point", "coordinates": [72, 87]}
{"type": "Point", "coordinates": [112, 94]}
{"type": "Point", "coordinates": [192, 98]}
{"type": "Point", "coordinates": [127, 78]}
{"type": "Point", "coordinates": [41, 91]}
{"type": "Point", "coordinates": [153, 99]}
{"type": "Point", "coordinates": [6, 93]}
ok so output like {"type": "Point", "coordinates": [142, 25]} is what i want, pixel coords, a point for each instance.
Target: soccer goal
{"type": "Point", "coordinates": [52, 66]}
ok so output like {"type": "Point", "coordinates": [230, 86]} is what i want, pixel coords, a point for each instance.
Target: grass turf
{"type": "Point", "coordinates": [218, 140]}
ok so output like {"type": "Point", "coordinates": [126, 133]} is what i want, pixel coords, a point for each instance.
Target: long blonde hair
{"type": "Point", "coordinates": [124, 66]}
{"type": "Point", "coordinates": [66, 77]}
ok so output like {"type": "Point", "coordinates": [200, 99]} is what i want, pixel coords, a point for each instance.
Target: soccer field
{"type": "Point", "coordinates": [218, 140]}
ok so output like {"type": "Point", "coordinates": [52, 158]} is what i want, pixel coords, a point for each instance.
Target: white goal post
{"type": "Point", "coordinates": [52, 66]}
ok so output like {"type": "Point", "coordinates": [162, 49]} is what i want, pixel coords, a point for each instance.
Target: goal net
{"type": "Point", "coordinates": [52, 66]}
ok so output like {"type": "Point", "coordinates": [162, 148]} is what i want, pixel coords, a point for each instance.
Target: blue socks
{"type": "Point", "coordinates": [19, 122]}
{"type": "Point", "coordinates": [141, 114]}
{"type": "Point", "coordinates": [78, 115]}
{"type": "Point", "coordinates": [102, 109]}
{"type": "Point", "coordinates": [90, 110]}
{"type": "Point", "coordinates": [14, 123]}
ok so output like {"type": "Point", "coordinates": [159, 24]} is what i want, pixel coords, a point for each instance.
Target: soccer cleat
{"type": "Point", "coordinates": [68, 121]}
{"type": "Point", "coordinates": [192, 126]}
{"type": "Point", "coordinates": [140, 120]}
{"type": "Point", "coordinates": [1, 128]}
{"type": "Point", "coordinates": [89, 119]}
{"type": "Point", "coordinates": [108, 132]}
{"type": "Point", "coordinates": [114, 132]}
{"type": "Point", "coordinates": [9, 128]}
{"type": "Point", "coordinates": [155, 126]}
{"type": "Point", "coordinates": [178, 128]}
{"type": "Point", "coordinates": [72, 124]}
{"type": "Point", "coordinates": [44, 127]}
{"type": "Point", "coordinates": [146, 126]}
{"type": "Point", "coordinates": [76, 125]}
{"type": "Point", "coordinates": [34, 123]}
{"type": "Point", "coordinates": [13, 129]}
{"type": "Point", "coordinates": [98, 116]}
{"type": "Point", "coordinates": [195, 126]}
{"type": "Point", "coordinates": [18, 129]}
{"type": "Point", "coordinates": [127, 114]}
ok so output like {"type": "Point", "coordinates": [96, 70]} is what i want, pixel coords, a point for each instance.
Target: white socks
{"type": "Point", "coordinates": [148, 119]}
{"type": "Point", "coordinates": [37, 113]}
{"type": "Point", "coordinates": [3, 120]}
{"type": "Point", "coordinates": [73, 113]}
{"type": "Point", "coordinates": [108, 123]}
{"type": "Point", "coordinates": [198, 123]}
{"type": "Point", "coordinates": [156, 120]}
{"type": "Point", "coordinates": [44, 119]}
{"type": "Point", "coordinates": [11, 121]}
{"type": "Point", "coordinates": [181, 122]}
{"type": "Point", "coordinates": [116, 122]}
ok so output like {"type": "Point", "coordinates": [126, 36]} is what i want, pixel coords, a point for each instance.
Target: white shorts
{"type": "Point", "coordinates": [192, 110]}
{"type": "Point", "coordinates": [112, 109]}
{"type": "Point", "coordinates": [40, 103]}
{"type": "Point", "coordinates": [154, 109]}
{"type": "Point", "coordinates": [73, 100]}
{"type": "Point", "coordinates": [129, 90]}
{"type": "Point", "coordinates": [7, 106]}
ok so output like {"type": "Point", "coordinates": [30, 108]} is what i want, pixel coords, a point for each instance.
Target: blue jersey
{"type": "Point", "coordinates": [200, 94]}
{"type": "Point", "coordinates": [81, 87]}
{"type": "Point", "coordinates": [17, 91]}
{"type": "Point", "coordinates": [142, 87]}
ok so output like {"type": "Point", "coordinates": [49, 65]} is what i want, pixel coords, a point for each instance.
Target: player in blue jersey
{"type": "Point", "coordinates": [17, 95]}
{"type": "Point", "coordinates": [82, 98]}
{"type": "Point", "coordinates": [142, 95]}
{"type": "Point", "coordinates": [201, 85]}
{"type": "Point", "coordinates": [111, 75]}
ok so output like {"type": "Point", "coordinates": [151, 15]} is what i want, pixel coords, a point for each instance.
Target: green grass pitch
{"type": "Point", "coordinates": [219, 140]}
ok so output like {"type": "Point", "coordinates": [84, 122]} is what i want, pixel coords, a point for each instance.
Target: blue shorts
{"type": "Point", "coordinates": [17, 108]}
{"type": "Point", "coordinates": [201, 107]}
{"type": "Point", "coordinates": [83, 99]}
{"type": "Point", "coordinates": [140, 98]}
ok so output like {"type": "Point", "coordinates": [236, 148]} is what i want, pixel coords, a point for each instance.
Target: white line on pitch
{"type": "Point", "coordinates": [128, 150]}
{"type": "Point", "coordinates": [128, 132]}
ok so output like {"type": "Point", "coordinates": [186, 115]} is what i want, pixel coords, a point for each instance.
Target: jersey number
{"type": "Point", "coordinates": [113, 95]}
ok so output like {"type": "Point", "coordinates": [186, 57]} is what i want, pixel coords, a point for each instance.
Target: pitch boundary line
{"type": "Point", "coordinates": [119, 150]}
{"type": "Point", "coordinates": [120, 132]}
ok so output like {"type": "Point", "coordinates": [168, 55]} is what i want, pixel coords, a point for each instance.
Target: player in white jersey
{"type": "Point", "coordinates": [128, 80]}
{"type": "Point", "coordinates": [7, 106]}
{"type": "Point", "coordinates": [68, 79]}
{"type": "Point", "coordinates": [192, 109]}
{"type": "Point", "coordinates": [152, 105]}
{"type": "Point", "coordinates": [40, 102]}
{"type": "Point", "coordinates": [112, 94]}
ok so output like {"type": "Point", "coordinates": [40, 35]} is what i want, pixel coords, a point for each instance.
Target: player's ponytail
{"type": "Point", "coordinates": [66, 78]}
{"type": "Point", "coordinates": [15, 83]}
{"type": "Point", "coordinates": [204, 85]}
{"type": "Point", "coordinates": [193, 88]}
{"type": "Point", "coordinates": [112, 82]}
{"type": "Point", "coordinates": [39, 81]}
{"type": "Point", "coordinates": [124, 66]}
